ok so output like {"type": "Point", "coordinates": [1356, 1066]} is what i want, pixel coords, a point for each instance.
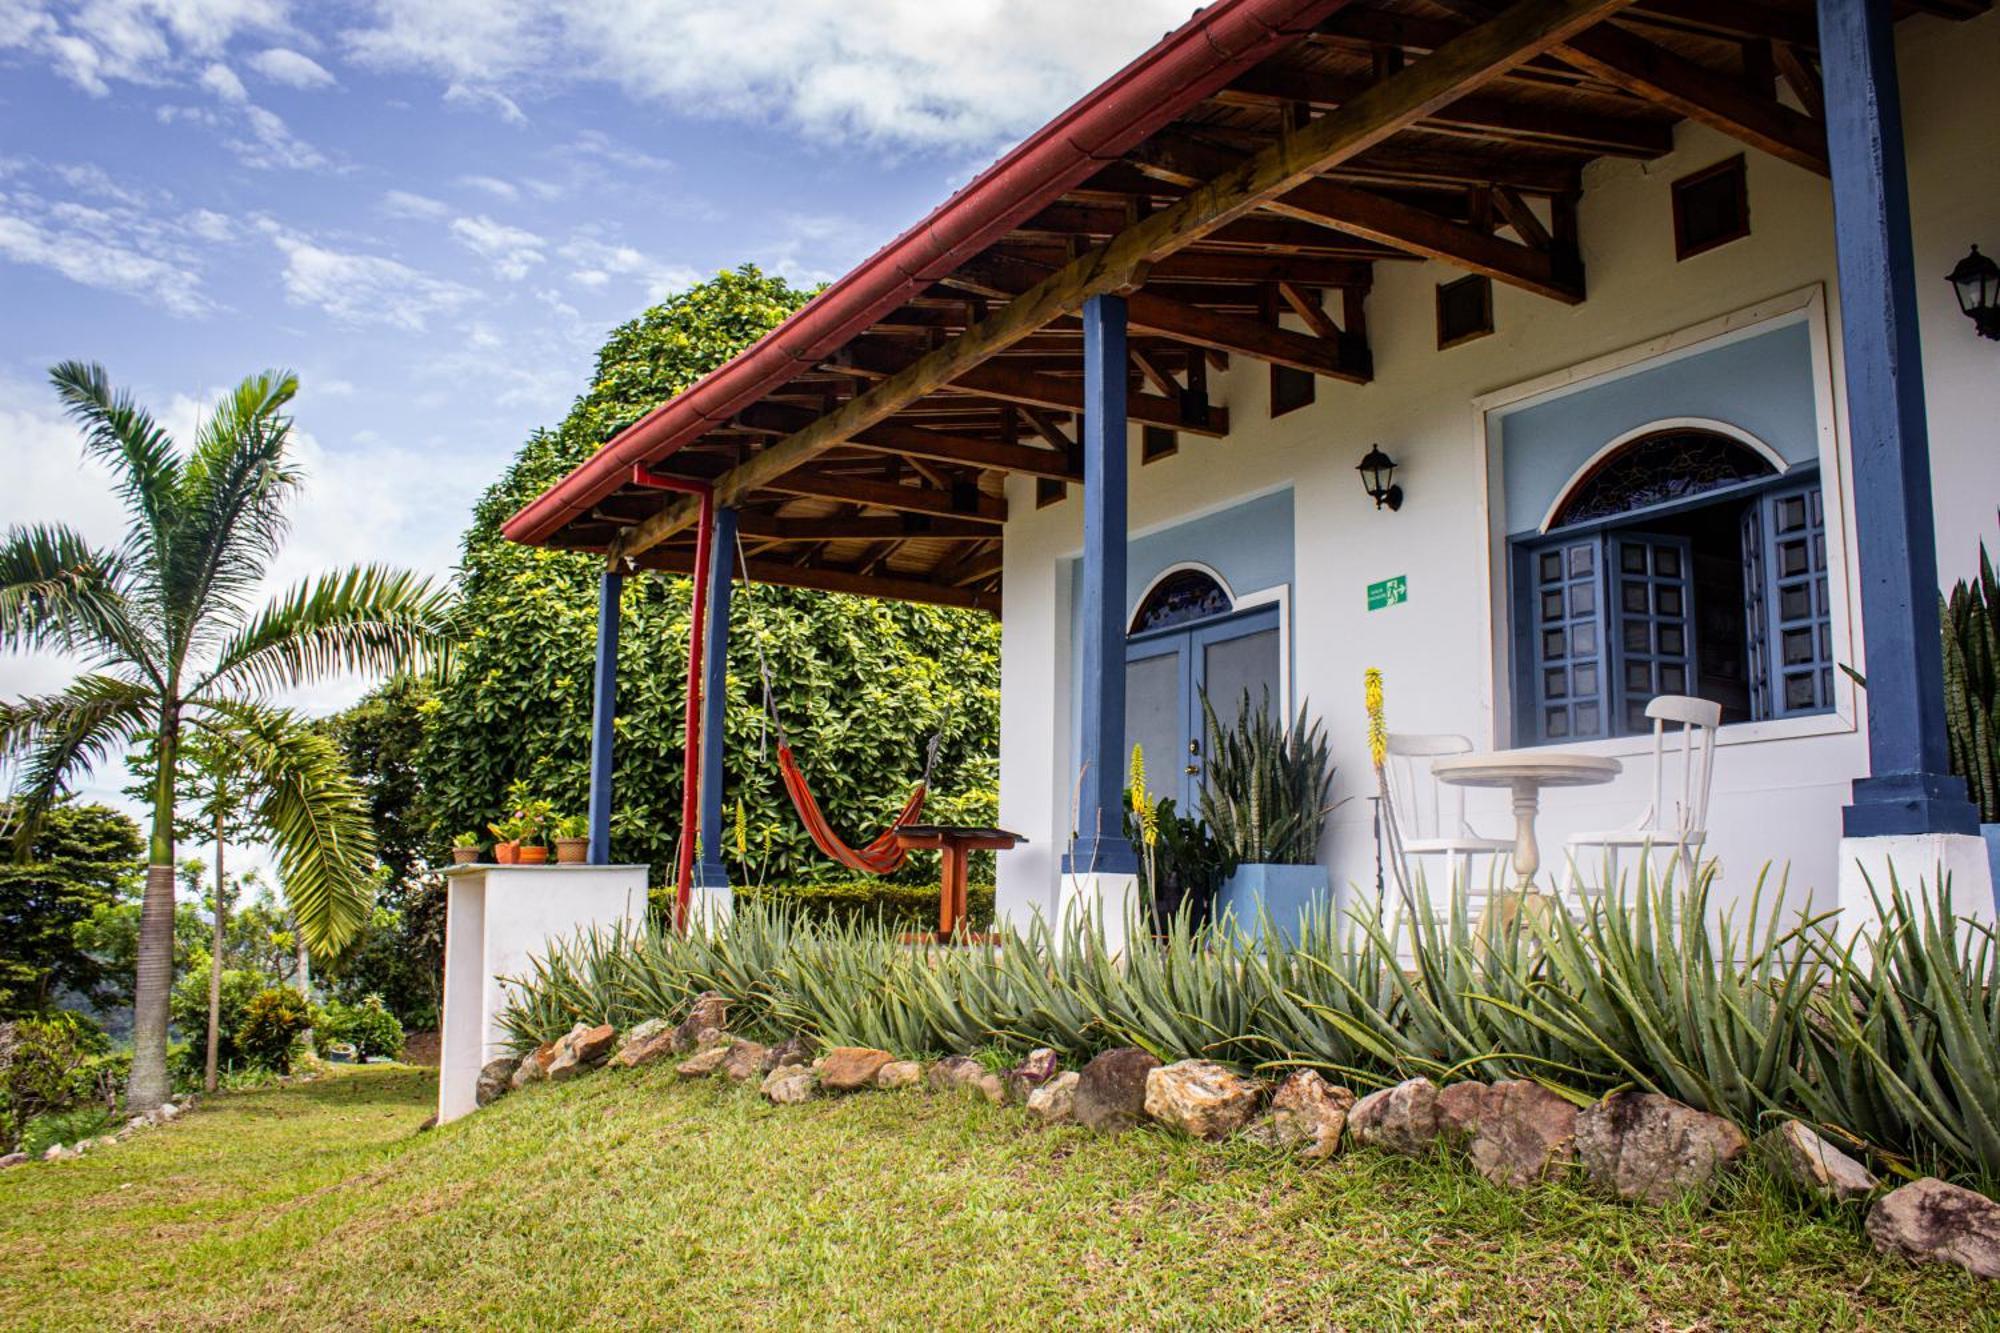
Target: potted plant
{"type": "Point", "coordinates": [464, 849]}
{"type": "Point", "coordinates": [534, 817]}
{"type": "Point", "coordinates": [572, 840]}
{"type": "Point", "coordinates": [1264, 799]}
{"type": "Point", "coordinates": [507, 840]}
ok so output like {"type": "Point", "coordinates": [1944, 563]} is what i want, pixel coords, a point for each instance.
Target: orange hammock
{"type": "Point", "coordinates": [880, 857]}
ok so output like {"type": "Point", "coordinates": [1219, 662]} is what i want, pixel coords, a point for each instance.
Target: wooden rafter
{"type": "Point", "coordinates": [822, 579]}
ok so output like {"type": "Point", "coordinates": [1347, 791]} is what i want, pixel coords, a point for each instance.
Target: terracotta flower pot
{"type": "Point", "coordinates": [464, 856]}
{"type": "Point", "coordinates": [534, 856]}
{"type": "Point", "coordinates": [572, 851]}
{"type": "Point", "coordinates": [507, 853]}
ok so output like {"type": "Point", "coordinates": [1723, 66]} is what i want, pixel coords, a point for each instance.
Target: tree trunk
{"type": "Point", "coordinates": [153, 986]}
{"type": "Point", "coordinates": [305, 982]}
{"type": "Point", "coordinates": [208, 1075]}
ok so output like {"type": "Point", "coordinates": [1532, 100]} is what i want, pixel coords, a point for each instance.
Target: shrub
{"type": "Point", "coordinates": [904, 906]}
{"type": "Point", "coordinates": [368, 1027]}
{"type": "Point", "coordinates": [67, 1127]}
{"type": "Point", "coordinates": [272, 1023]}
{"type": "Point", "coordinates": [1266, 787]}
{"type": "Point", "coordinates": [189, 1009]}
{"type": "Point", "coordinates": [45, 1065]}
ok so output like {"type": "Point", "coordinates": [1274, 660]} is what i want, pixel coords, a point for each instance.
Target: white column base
{"type": "Point", "coordinates": [1926, 859]}
{"type": "Point", "coordinates": [497, 917]}
{"type": "Point", "coordinates": [1110, 901]}
{"type": "Point", "coordinates": [711, 908]}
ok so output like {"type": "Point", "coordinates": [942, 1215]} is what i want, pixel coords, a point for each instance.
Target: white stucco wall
{"type": "Point", "coordinates": [1778, 793]}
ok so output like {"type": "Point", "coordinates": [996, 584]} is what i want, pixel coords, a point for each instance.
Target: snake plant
{"type": "Point", "coordinates": [1972, 686]}
{"type": "Point", "coordinates": [1265, 793]}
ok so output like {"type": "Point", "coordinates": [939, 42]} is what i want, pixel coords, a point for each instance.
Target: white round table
{"type": "Point", "coordinates": [1526, 772]}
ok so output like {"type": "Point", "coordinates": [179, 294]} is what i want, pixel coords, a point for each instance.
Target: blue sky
{"type": "Point", "coordinates": [434, 209]}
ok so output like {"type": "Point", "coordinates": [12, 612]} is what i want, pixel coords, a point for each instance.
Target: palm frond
{"type": "Point", "coordinates": [368, 618]}
{"type": "Point", "coordinates": [117, 431]}
{"type": "Point", "coordinates": [46, 739]}
{"type": "Point", "coordinates": [58, 591]}
{"type": "Point", "coordinates": [316, 815]}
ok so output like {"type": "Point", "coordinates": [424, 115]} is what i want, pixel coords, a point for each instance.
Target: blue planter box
{"type": "Point", "coordinates": [1283, 894]}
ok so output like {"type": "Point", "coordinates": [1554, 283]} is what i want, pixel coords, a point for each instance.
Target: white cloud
{"type": "Point", "coordinates": [511, 250]}
{"type": "Point", "coordinates": [403, 204]}
{"type": "Point", "coordinates": [476, 96]}
{"type": "Point", "coordinates": [283, 65]}
{"type": "Point", "coordinates": [492, 185]}
{"type": "Point", "coordinates": [597, 263]}
{"type": "Point", "coordinates": [893, 72]}
{"type": "Point", "coordinates": [221, 80]}
{"type": "Point", "coordinates": [271, 143]}
{"type": "Point", "coordinates": [361, 289]}
{"type": "Point", "coordinates": [119, 248]}
{"type": "Point", "coordinates": [99, 42]}
{"type": "Point", "coordinates": [596, 143]}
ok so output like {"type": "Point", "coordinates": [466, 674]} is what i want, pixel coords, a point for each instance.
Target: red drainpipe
{"type": "Point", "coordinates": [697, 636]}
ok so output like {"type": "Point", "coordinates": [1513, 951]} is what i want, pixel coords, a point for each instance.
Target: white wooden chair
{"type": "Point", "coordinates": [1430, 822]}
{"type": "Point", "coordinates": [1679, 824]}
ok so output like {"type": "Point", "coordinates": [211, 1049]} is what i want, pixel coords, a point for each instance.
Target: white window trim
{"type": "Point", "coordinates": [1806, 305]}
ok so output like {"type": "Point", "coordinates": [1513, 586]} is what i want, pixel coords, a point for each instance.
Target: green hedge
{"type": "Point", "coordinates": [905, 906]}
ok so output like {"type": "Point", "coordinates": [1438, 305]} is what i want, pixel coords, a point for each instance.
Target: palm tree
{"type": "Point", "coordinates": [170, 638]}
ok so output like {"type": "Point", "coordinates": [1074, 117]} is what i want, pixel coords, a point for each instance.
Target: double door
{"type": "Point", "coordinates": [1167, 672]}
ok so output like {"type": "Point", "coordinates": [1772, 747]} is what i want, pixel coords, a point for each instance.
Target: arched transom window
{"type": "Point", "coordinates": [1660, 469]}
{"type": "Point", "coordinates": [1181, 597]}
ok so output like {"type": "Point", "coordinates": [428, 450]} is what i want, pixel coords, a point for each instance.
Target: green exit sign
{"type": "Point", "coordinates": [1389, 592]}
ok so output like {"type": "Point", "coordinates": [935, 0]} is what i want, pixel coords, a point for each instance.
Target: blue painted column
{"type": "Point", "coordinates": [710, 872]}
{"type": "Point", "coordinates": [604, 709]}
{"type": "Point", "coordinates": [1101, 846]}
{"type": "Point", "coordinates": [1910, 788]}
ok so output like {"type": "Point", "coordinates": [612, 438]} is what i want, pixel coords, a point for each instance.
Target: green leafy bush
{"type": "Point", "coordinates": [188, 1008]}
{"type": "Point", "coordinates": [66, 1127]}
{"type": "Point", "coordinates": [905, 906]}
{"type": "Point", "coordinates": [271, 1026]}
{"type": "Point", "coordinates": [46, 1065]}
{"type": "Point", "coordinates": [368, 1027]}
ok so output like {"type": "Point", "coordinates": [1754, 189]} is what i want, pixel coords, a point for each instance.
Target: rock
{"type": "Point", "coordinates": [797, 1049]}
{"type": "Point", "coordinates": [707, 1017]}
{"type": "Point", "coordinates": [1402, 1119]}
{"type": "Point", "coordinates": [580, 1050]}
{"type": "Point", "coordinates": [430, 1123]}
{"type": "Point", "coordinates": [1054, 1102]}
{"type": "Point", "coordinates": [166, 1110]}
{"type": "Point", "coordinates": [1523, 1133]}
{"type": "Point", "coordinates": [1794, 1152]}
{"type": "Point", "coordinates": [1931, 1221]}
{"type": "Point", "coordinates": [852, 1068]}
{"type": "Point", "coordinates": [953, 1072]}
{"type": "Point", "coordinates": [704, 1063]}
{"type": "Point", "coordinates": [534, 1066]}
{"type": "Point", "coordinates": [1307, 1113]}
{"type": "Point", "coordinates": [1111, 1092]}
{"type": "Point", "coordinates": [641, 1047]}
{"type": "Point", "coordinates": [992, 1087]}
{"type": "Point", "coordinates": [12, 1159]}
{"type": "Point", "coordinates": [744, 1061]}
{"type": "Point", "coordinates": [899, 1074]}
{"type": "Point", "coordinates": [53, 1153]}
{"type": "Point", "coordinates": [1041, 1065]}
{"type": "Point", "coordinates": [495, 1079]}
{"type": "Point", "coordinates": [642, 1032]}
{"type": "Point", "coordinates": [1459, 1108]}
{"type": "Point", "coordinates": [137, 1122]}
{"type": "Point", "coordinates": [1640, 1145]}
{"type": "Point", "coordinates": [1201, 1098]}
{"type": "Point", "coordinates": [788, 1085]}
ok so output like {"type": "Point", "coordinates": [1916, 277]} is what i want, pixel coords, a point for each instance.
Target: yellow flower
{"type": "Point", "coordinates": [742, 831]}
{"type": "Point", "coordinates": [1378, 730]}
{"type": "Point", "coordinates": [1142, 802]}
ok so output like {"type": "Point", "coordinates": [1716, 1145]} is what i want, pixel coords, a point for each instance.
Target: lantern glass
{"type": "Point", "coordinates": [1977, 282]}
{"type": "Point", "coordinates": [1378, 473]}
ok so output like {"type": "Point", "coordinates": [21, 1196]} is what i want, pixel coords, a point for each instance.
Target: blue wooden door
{"type": "Point", "coordinates": [1166, 673]}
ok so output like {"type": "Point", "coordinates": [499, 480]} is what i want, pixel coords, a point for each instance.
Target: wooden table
{"type": "Point", "coordinates": [1525, 773]}
{"type": "Point", "coordinates": [955, 845]}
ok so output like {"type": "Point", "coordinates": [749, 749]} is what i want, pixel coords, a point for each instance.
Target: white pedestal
{"type": "Point", "coordinates": [1112, 901]}
{"type": "Point", "coordinates": [711, 908]}
{"type": "Point", "coordinates": [1924, 859]}
{"type": "Point", "coordinates": [496, 918]}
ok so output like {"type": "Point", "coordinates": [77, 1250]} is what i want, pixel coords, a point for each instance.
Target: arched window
{"type": "Point", "coordinates": [1659, 469]}
{"type": "Point", "coordinates": [1182, 596]}
{"type": "Point", "coordinates": [1683, 561]}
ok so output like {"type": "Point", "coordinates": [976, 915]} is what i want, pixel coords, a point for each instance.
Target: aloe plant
{"type": "Point", "coordinates": [1971, 616]}
{"type": "Point", "coordinates": [1265, 794]}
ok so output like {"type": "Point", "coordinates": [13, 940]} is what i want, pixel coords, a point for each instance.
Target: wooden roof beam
{"type": "Point", "coordinates": [821, 579]}
{"type": "Point", "coordinates": [937, 446]}
{"type": "Point", "coordinates": [1527, 29]}
{"type": "Point", "coordinates": [835, 528]}
{"type": "Point", "coordinates": [1338, 358]}
{"type": "Point", "coordinates": [966, 502]}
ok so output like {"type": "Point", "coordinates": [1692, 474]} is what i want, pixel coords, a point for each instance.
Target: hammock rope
{"type": "Point", "coordinates": [882, 856]}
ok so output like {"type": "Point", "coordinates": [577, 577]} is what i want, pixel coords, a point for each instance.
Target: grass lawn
{"type": "Point", "coordinates": [626, 1199]}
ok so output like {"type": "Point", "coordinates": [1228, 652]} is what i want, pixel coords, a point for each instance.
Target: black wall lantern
{"type": "Point", "coordinates": [1378, 474]}
{"type": "Point", "coordinates": [1977, 282]}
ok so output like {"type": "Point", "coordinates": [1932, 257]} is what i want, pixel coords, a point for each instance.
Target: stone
{"type": "Point", "coordinates": [1459, 1108]}
{"type": "Point", "coordinates": [707, 1018]}
{"type": "Point", "coordinates": [1054, 1102]}
{"type": "Point", "coordinates": [703, 1063]}
{"type": "Point", "coordinates": [496, 1079]}
{"type": "Point", "coordinates": [954, 1072]}
{"type": "Point", "coordinates": [744, 1061]}
{"type": "Point", "coordinates": [646, 1031]}
{"type": "Point", "coordinates": [166, 1110]}
{"type": "Point", "coordinates": [53, 1153]}
{"type": "Point", "coordinates": [797, 1049]}
{"type": "Point", "coordinates": [1932, 1221]}
{"type": "Point", "coordinates": [430, 1123]}
{"type": "Point", "coordinates": [992, 1087]}
{"type": "Point", "coordinates": [1794, 1152]}
{"type": "Point", "coordinates": [137, 1122]}
{"type": "Point", "coordinates": [580, 1050]}
{"type": "Point", "coordinates": [534, 1066]}
{"type": "Point", "coordinates": [1522, 1133]}
{"type": "Point", "coordinates": [1307, 1113]}
{"type": "Point", "coordinates": [1111, 1091]}
{"type": "Point", "coordinates": [852, 1068]}
{"type": "Point", "coordinates": [13, 1159]}
{"type": "Point", "coordinates": [899, 1074]}
{"type": "Point", "coordinates": [1402, 1119]}
{"type": "Point", "coordinates": [1201, 1098]}
{"type": "Point", "coordinates": [788, 1085]}
{"type": "Point", "coordinates": [642, 1048]}
{"type": "Point", "coordinates": [1041, 1065]}
{"type": "Point", "coordinates": [1642, 1146]}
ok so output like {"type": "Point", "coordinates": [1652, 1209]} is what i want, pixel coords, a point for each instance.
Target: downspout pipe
{"type": "Point", "coordinates": [704, 548]}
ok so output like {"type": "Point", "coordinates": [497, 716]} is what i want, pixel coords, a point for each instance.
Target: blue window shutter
{"type": "Point", "coordinates": [1563, 582]}
{"type": "Point", "coordinates": [1791, 626]}
{"type": "Point", "coordinates": [1652, 605]}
